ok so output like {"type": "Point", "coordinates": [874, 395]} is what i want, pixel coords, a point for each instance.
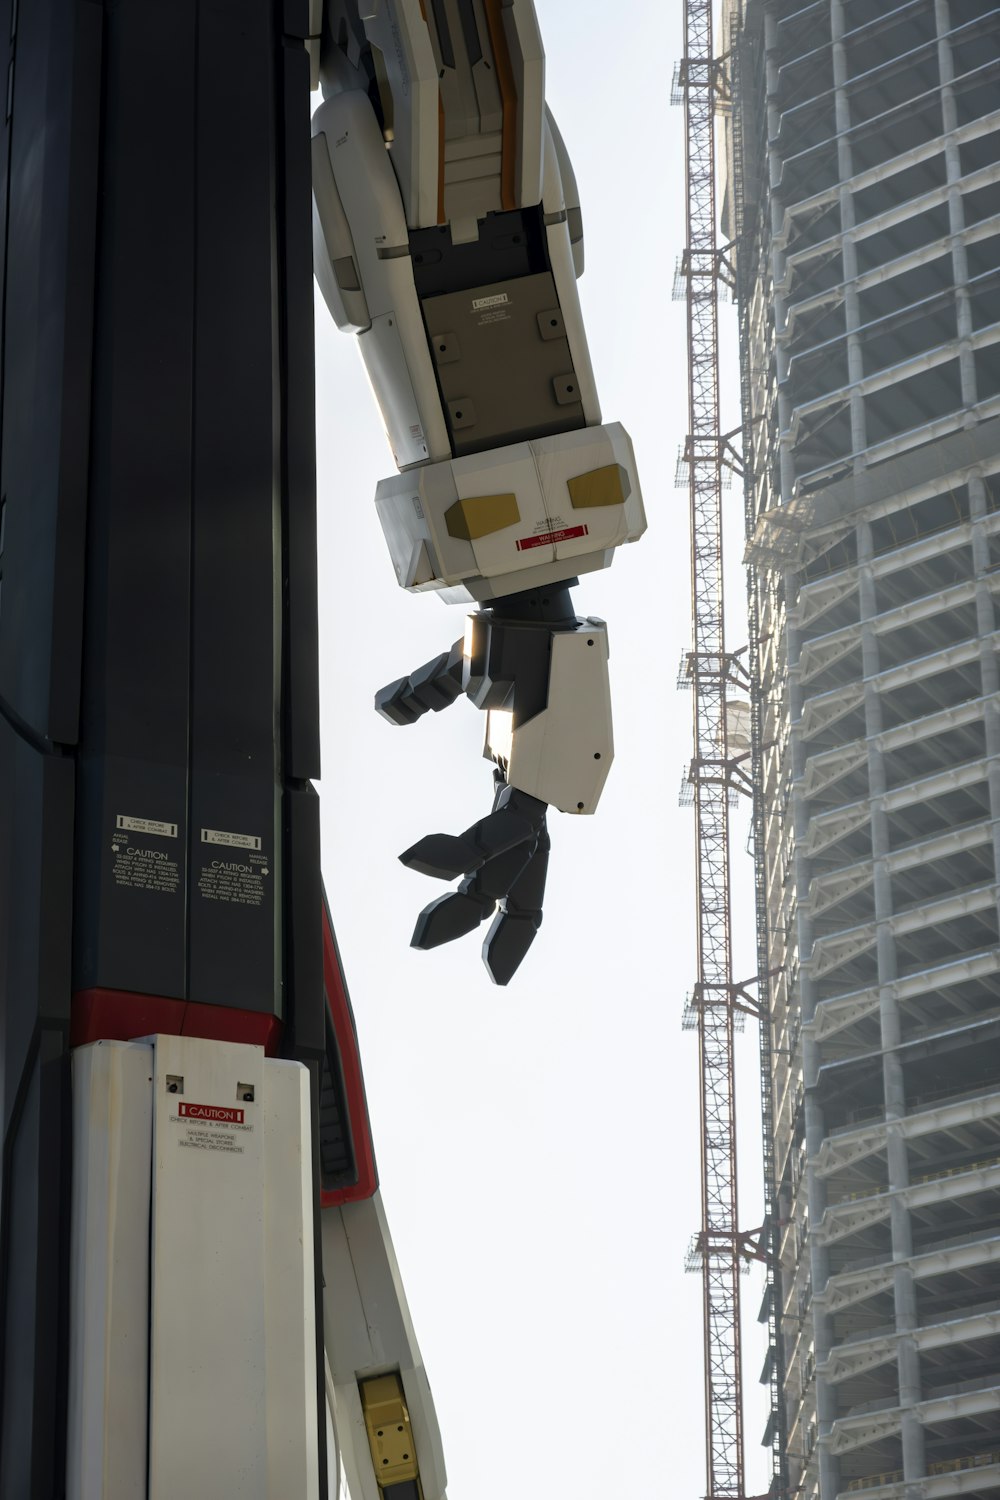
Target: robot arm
{"type": "Point", "coordinates": [448, 237]}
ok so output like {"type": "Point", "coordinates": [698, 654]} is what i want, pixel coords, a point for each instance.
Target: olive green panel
{"type": "Point", "coordinates": [481, 516]}
{"type": "Point", "coordinates": [608, 485]}
{"type": "Point", "coordinates": [390, 1435]}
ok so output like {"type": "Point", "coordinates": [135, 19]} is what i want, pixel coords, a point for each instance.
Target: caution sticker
{"type": "Point", "coordinates": [547, 538]}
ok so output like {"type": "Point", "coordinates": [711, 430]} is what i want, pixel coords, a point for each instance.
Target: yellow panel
{"type": "Point", "coordinates": [390, 1435]}
{"type": "Point", "coordinates": [607, 486]}
{"type": "Point", "coordinates": [481, 516]}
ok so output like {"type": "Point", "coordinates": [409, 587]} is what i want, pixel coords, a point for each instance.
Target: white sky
{"type": "Point", "coordinates": [538, 1145]}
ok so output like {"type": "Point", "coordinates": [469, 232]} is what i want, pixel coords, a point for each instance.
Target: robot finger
{"type": "Point", "coordinates": [507, 942]}
{"type": "Point", "coordinates": [475, 900]}
{"type": "Point", "coordinates": [520, 916]}
{"type": "Point", "coordinates": [527, 892]}
{"type": "Point", "coordinates": [447, 918]}
{"type": "Point", "coordinates": [445, 856]}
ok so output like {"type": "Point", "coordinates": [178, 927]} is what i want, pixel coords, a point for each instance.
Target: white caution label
{"type": "Point", "coordinates": [212, 1127]}
{"type": "Point", "coordinates": [229, 840]}
{"type": "Point", "coordinates": [146, 825]}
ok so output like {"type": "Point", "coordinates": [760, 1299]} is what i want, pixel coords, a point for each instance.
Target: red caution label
{"type": "Point", "coordinates": [210, 1112]}
{"type": "Point", "coordinates": [547, 538]}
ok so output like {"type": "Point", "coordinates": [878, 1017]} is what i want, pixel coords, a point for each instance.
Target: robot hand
{"type": "Point", "coordinates": [504, 858]}
{"type": "Point", "coordinates": [541, 674]}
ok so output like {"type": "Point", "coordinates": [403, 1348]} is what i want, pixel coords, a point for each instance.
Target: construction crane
{"type": "Point", "coordinates": [715, 775]}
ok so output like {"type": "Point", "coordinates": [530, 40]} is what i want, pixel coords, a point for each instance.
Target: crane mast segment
{"type": "Point", "coordinates": [715, 777]}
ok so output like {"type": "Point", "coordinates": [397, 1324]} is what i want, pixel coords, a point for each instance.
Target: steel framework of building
{"type": "Point", "coordinates": [872, 652]}
{"type": "Point", "coordinates": [745, 56]}
{"type": "Point", "coordinates": [864, 183]}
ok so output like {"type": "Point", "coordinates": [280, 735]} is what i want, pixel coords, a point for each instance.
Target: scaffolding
{"type": "Point", "coordinates": [746, 64]}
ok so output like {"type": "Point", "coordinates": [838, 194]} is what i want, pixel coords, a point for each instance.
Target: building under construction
{"type": "Point", "coordinates": [863, 203]}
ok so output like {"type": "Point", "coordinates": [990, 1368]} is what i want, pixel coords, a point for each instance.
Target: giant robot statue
{"type": "Point", "coordinates": [198, 1294]}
